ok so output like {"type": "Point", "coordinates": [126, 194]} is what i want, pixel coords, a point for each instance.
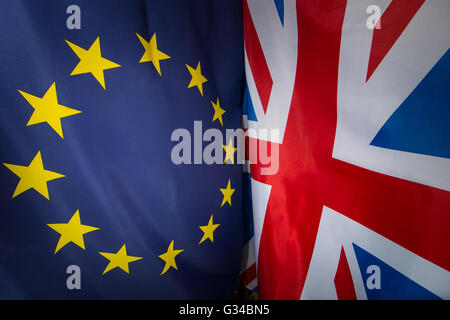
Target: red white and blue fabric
{"type": "Point", "coordinates": [364, 151]}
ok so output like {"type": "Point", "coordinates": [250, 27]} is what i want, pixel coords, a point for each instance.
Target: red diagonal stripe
{"type": "Point", "coordinates": [343, 281]}
{"type": "Point", "coordinates": [393, 22]}
{"type": "Point", "coordinates": [248, 275]}
{"type": "Point", "coordinates": [258, 65]}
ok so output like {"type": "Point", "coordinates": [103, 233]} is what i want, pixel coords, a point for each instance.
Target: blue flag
{"type": "Point", "coordinates": [105, 190]}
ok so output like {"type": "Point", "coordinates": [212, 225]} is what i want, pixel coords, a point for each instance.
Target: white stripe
{"type": "Point", "coordinates": [279, 44]}
{"type": "Point", "coordinates": [363, 107]}
{"type": "Point", "coordinates": [248, 255]}
{"type": "Point", "coordinates": [260, 199]}
{"type": "Point", "coordinates": [337, 230]}
{"type": "Point", "coordinates": [252, 285]}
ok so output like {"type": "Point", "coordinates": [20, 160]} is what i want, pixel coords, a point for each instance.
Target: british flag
{"type": "Point", "coordinates": [360, 205]}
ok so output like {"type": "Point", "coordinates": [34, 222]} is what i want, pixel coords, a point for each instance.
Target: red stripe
{"type": "Point", "coordinates": [249, 275]}
{"type": "Point", "coordinates": [343, 281]}
{"type": "Point", "coordinates": [293, 210]}
{"type": "Point", "coordinates": [393, 22]}
{"type": "Point", "coordinates": [258, 65]}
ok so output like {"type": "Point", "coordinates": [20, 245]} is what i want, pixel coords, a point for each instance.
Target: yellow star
{"type": "Point", "coordinates": [208, 230]}
{"type": "Point", "coordinates": [197, 78]}
{"type": "Point", "coordinates": [91, 61]}
{"type": "Point", "coordinates": [218, 111]}
{"type": "Point", "coordinates": [229, 152]}
{"type": "Point", "coordinates": [72, 231]}
{"type": "Point", "coordinates": [119, 259]}
{"type": "Point", "coordinates": [33, 177]}
{"type": "Point", "coordinates": [47, 109]}
{"type": "Point", "coordinates": [169, 258]}
{"type": "Point", "coordinates": [227, 193]}
{"type": "Point", "coordinates": [152, 53]}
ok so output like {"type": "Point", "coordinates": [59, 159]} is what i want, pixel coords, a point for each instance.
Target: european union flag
{"type": "Point", "coordinates": [101, 194]}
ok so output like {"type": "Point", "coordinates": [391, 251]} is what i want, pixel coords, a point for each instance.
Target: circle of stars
{"type": "Point", "coordinates": [48, 111]}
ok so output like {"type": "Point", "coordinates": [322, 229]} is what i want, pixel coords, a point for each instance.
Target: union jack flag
{"type": "Point", "coordinates": [360, 205]}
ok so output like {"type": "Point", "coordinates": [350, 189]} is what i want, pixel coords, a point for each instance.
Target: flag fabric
{"type": "Point", "coordinates": [358, 94]}
{"type": "Point", "coordinates": [92, 204]}
{"type": "Point", "coordinates": [247, 273]}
